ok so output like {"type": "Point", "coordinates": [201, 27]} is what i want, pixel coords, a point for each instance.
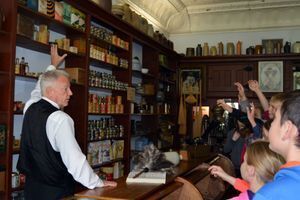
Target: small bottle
{"type": "Point", "coordinates": [205, 49]}
{"type": "Point", "coordinates": [278, 46]}
{"type": "Point", "coordinates": [220, 49]}
{"type": "Point", "coordinates": [287, 47]}
{"type": "Point", "coordinates": [17, 66]}
{"type": "Point", "coordinates": [22, 66]}
{"type": "Point", "coordinates": [239, 48]}
{"type": "Point", "coordinates": [199, 50]}
{"type": "Point", "coordinates": [26, 68]}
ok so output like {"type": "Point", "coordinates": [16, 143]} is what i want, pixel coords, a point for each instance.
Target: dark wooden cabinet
{"type": "Point", "coordinates": [222, 76]}
{"type": "Point", "coordinates": [221, 72]}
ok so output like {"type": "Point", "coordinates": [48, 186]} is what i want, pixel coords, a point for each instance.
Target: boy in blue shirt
{"type": "Point", "coordinates": [284, 139]}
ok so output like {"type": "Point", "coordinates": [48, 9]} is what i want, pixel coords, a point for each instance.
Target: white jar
{"type": "Point", "coordinates": [296, 47]}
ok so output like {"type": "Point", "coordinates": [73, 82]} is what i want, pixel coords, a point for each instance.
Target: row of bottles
{"type": "Point", "coordinates": [107, 56]}
{"type": "Point", "coordinates": [105, 105]}
{"type": "Point", "coordinates": [105, 128]}
{"type": "Point", "coordinates": [105, 80]}
{"type": "Point", "coordinates": [268, 47]}
{"type": "Point", "coordinates": [216, 50]}
{"type": "Point", "coordinates": [21, 67]}
{"type": "Point", "coordinates": [108, 36]}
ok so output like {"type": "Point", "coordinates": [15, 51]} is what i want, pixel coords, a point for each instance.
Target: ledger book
{"type": "Point", "coordinates": [147, 177]}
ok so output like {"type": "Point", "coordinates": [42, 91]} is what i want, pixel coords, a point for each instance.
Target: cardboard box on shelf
{"type": "Point", "coordinates": [59, 11]}
{"type": "Point", "coordinates": [77, 75]}
{"type": "Point", "coordinates": [80, 44]}
{"type": "Point", "coordinates": [77, 19]}
{"type": "Point", "coordinates": [149, 89]}
{"type": "Point", "coordinates": [42, 6]}
{"type": "Point", "coordinates": [67, 13]}
{"type": "Point", "coordinates": [25, 26]}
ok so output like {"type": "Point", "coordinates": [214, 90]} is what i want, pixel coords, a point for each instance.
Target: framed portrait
{"type": "Point", "coordinates": [270, 76]}
{"type": "Point", "coordinates": [296, 80]}
{"type": "Point", "coordinates": [190, 80]}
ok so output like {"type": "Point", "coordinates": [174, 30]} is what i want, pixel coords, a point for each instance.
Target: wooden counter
{"type": "Point", "coordinates": [143, 190]}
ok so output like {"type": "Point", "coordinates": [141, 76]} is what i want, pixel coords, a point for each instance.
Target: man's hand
{"type": "Point", "coordinates": [109, 183]}
{"type": "Point", "coordinates": [240, 88]}
{"type": "Point", "coordinates": [56, 59]}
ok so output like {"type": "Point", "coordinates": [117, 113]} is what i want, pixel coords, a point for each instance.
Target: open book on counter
{"type": "Point", "coordinates": [147, 177]}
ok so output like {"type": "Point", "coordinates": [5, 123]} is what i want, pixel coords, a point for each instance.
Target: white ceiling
{"type": "Point", "coordinates": [190, 16]}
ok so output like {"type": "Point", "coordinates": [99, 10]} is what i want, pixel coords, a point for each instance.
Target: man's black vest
{"type": "Point", "coordinates": [46, 175]}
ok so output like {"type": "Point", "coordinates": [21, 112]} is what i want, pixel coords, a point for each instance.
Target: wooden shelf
{"type": "Point", "coordinates": [115, 138]}
{"type": "Point", "coordinates": [20, 188]}
{"type": "Point", "coordinates": [167, 81]}
{"type": "Point", "coordinates": [2, 32]}
{"type": "Point", "coordinates": [26, 78]}
{"type": "Point", "coordinates": [139, 73]}
{"type": "Point", "coordinates": [19, 112]}
{"type": "Point", "coordinates": [239, 58]}
{"type": "Point", "coordinates": [102, 64]}
{"type": "Point", "coordinates": [144, 114]}
{"type": "Point", "coordinates": [4, 73]}
{"type": "Point", "coordinates": [108, 114]}
{"type": "Point", "coordinates": [167, 68]}
{"type": "Point", "coordinates": [145, 95]}
{"type": "Point", "coordinates": [57, 26]}
{"type": "Point", "coordinates": [34, 45]}
{"type": "Point", "coordinates": [16, 151]}
{"type": "Point", "coordinates": [105, 89]}
{"type": "Point", "coordinates": [165, 114]}
{"type": "Point", "coordinates": [107, 163]}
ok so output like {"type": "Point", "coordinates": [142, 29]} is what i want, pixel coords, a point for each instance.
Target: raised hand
{"type": "Point", "coordinates": [56, 59]}
{"type": "Point", "coordinates": [254, 85]}
{"type": "Point", "coordinates": [221, 102]}
{"type": "Point", "coordinates": [251, 114]}
{"type": "Point", "coordinates": [240, 88]}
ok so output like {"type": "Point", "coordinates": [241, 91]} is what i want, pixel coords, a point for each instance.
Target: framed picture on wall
{"type": "Point", "coordinates": [270, 76]}
{"type": "Point", "coordinates": [296, 80]}
{"type": "Point", "coordinates": [190, 80]}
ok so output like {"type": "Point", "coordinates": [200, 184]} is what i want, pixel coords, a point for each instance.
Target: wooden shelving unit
{"type": "Point", "coordinates": [78, 106]}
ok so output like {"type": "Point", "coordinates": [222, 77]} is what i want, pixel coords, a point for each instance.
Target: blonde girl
{"type": "Point", "coordinates": [259, 166]}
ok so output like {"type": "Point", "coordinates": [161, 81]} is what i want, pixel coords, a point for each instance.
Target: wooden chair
{"type": "Point", "coordinates": [187, 192]}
